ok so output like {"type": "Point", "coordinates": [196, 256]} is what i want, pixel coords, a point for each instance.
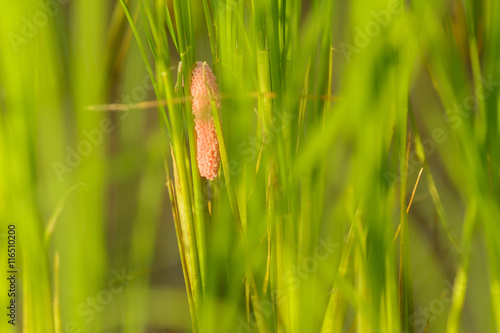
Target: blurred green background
{"type": "Point", "coordinates": [85, 189]}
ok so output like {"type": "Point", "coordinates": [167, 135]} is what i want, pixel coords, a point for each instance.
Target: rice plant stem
{"type": "Point", "coordinates": [223, 154]}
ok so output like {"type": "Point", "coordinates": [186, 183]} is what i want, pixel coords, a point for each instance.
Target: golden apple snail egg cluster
{"type": "Point", "coordinates": [207, 145]}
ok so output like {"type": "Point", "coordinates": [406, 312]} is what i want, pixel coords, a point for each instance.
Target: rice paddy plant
{"type": "Point", "coordinates": [302, 166]}
{"type": "Point", "coordinates": [263, 38]}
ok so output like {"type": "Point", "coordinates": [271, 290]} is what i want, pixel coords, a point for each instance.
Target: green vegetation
{"type": "Point", "coordinates": [358, 188]}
